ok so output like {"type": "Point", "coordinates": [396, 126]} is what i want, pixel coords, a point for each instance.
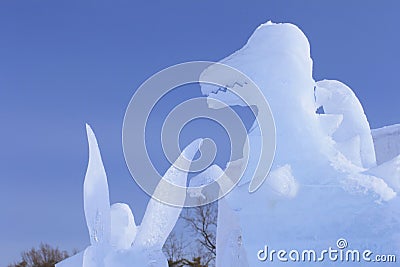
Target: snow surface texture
{"type": "Point", "coordinates": [325, 183]}
{"type": "Point", "coordinates": [387, 142]}
{"type": "Point", "coordinates": [115, 239]}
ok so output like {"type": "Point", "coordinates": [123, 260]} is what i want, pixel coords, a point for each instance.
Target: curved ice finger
{"type": "Point", "coordinates": [159, 218]}
{"type": "Point", "coordinates": [96, 196]}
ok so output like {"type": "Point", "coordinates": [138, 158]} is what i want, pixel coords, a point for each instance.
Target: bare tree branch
{"type": "Point", "coordinates": [203, 221]}
{"type": "Point", "coordinates": [45, 256]}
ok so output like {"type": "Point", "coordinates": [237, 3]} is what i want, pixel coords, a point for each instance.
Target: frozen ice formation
{"type": "Point", "coordinates": [95, 194]}
{"type": "Point", "coordinates": [115, 240]}
{"type": "Point", "coordinates": [325, 182]}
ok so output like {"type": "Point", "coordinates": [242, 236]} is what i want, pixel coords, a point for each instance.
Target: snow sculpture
{"type": "Point", "coordinates": [115, 239]}
{"type": "Point", "coordinates": [320, 187]}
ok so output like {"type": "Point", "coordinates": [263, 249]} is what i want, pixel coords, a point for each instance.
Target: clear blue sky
{"type": "Point", "coordinates": [65, 63]}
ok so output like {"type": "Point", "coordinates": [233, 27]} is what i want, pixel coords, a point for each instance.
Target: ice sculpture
{"type": "Point", "coordinates": [115, 239]}
{"type": "Point", "coordinates": [320, 187]}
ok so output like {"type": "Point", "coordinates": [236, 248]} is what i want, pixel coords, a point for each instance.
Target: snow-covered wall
{"type": "Point", "coordinates": [386, 142]}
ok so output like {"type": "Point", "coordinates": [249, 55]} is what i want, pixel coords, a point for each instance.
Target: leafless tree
{"type": "Point", "coordinates": [45, 256]}
{"type": "Point", "coordinates": [174, 249]}
{"type": "Point", "coordinates": [201, 224]}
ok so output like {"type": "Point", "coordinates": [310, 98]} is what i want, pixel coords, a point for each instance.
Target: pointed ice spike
{"type": "Point", "coordinates": [96, 196]}
{"type": "Point", "coordinates": [159, 218]}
